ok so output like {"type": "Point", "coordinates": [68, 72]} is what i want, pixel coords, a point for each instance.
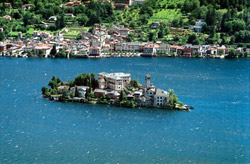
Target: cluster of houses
{"type": "Point", "coordinates": [110, 85]}
{"type": "Point", "coordinates": [103, 42]}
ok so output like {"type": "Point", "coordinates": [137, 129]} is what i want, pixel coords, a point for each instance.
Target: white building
{"type": "Point", "coordinates": [160, 98]}
{"type": "Point", "coordinates": [115, 81]}
{"type": "Point", "coordinates": [150, 50]}
{"type": "Point", "coordinates": [82, 90]}
{"type": "Point", "coordinates": [138, 2]}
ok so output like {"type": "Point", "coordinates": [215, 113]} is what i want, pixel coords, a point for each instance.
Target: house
{"type": "Point", "coordinates": [45, 34]}
{"type": "Point", "coordinates": [163, 49]}
{"type": "Point", "coordinates": [122, 4]}
{"type": "Point", "coordinates": [124, 32]}
{"type": "Point", "coordinates": [61, 88]}
{"type": "Point", "coordinates": [118, 46]}
{"type": "Point", "coordinates": [26, 6]}
{"type": "Point", "coordinates": [94, 51]}
{"type": "Point", "coordinates": [137, 94]}
{"type": "Point", "coordinates": [127, 2]}
{"type": "Point", "coordinates": [81, 90]}
{"type": "Point", "coordinates": [106, 47]}
{"type": "Point", "coordinates": [83, 52]}
{"type": "Point", "coordinates": [72, 4]}
{"type": "Point", "coordinates": [7, 17]}
{"type": "Point", "coordinates": [99, 92]}
{"type": "Point", "coordinates": [114, 81]}
{"type": "Point", "coordinates": [160, 98]}
{"type": "Point", "coordinates": [150, 50]}
{"type": "Point", "coordinates": [198, 26]}
{"type": "Point", "coordinates": [135, 46]}
{"type": "Point", "coordinates": [53, 18]}
{"type": "Point", "coordinates": [20, 35]}
{"type": "Point", "coordinates": [35, 34]}
{"type": "Point", "coordinates": [188, 50]}
{"type": "Point", "coordinates": [7, 5]}
{"type": "Point", "coordinates": [221, 50]}
{"type": "Point", "coordinates": [239, 50]}
{"type": "Point", "coordinates": [112, 94]}
{"type": "Point", "coordinates": [204, 49]}
{"type": "Point", "coordinates": [3, 47]}
{"type": "Point", "coordinates": [43, 49]}
{"type": "Point", "coordinates": [138, 2]}
{"type": "Point", "coordinates": [155, 25]}
{"type": "Point", "coordinates": [176, 49]}
{"type": "Point", "coordinates": [69, 15]}
{"type": "Point", "coordinates": [212, 51]}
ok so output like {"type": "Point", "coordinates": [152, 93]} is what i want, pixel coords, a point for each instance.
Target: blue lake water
{"type": "Point", "coordinates": [36, 130]}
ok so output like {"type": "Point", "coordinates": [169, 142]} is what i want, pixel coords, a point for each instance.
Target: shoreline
{"type": "Point", "coordinates": [82, 101]}
{"type": "Point", "coordinates": [128, 55]}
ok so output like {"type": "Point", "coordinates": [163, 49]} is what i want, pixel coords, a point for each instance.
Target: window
{"type": "Point", "coordinates": [158, 104]}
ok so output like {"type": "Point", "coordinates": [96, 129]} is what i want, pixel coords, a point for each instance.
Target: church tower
{"type": "Point", "coordinates": [147, 81]}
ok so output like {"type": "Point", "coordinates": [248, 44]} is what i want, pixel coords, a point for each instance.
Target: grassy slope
{"type": "Point", "coordinates": [165, 14]}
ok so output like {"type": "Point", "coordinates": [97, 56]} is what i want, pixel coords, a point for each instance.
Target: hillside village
{"type": "Point", "coordinates": [114, 89]}
{"type": "Point", "coordinates": [105, 42]}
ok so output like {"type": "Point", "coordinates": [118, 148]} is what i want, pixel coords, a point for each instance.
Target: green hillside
{"type": "Point", "coordinates": [227, 21]}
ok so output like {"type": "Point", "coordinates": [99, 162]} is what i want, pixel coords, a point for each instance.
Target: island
{"type": "Point", "coordinates": [113, 89]}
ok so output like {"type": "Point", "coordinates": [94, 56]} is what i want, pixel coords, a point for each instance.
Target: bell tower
{"type": "Point", "coordinates": [147, 81]}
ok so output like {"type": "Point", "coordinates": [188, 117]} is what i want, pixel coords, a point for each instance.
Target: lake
{"type": "Point", "coordinates": [36, 130]}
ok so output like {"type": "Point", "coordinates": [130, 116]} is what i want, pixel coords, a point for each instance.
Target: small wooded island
{"type": "Point", "coordinates": [114, 89]}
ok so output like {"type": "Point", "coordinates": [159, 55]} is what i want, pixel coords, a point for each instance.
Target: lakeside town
{"type": "Point", "coordinates": [74, 31]}
{"type": "Point", "coordinates": [108, 42]}
{"type": "Point", "coordinates": [112, 89]}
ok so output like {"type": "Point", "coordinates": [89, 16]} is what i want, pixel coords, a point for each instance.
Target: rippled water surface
{"type": "Point", "coordinates": [35, 130]}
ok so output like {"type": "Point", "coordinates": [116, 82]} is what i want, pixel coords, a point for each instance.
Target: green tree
{"type": "Point", "coordinates": [82, 19]}
{"type": "Point", "coordinates": [52, 84]}
{"type": "Point", "coordinates": [27, 19]}
{"type": "Point", "coordinates": [151, 36]}
{"type": "Point", "coordinates": [172, 100]}
{"type": "Point", "coordinates": [211, 16]}
{"type": "Point", "coordinates": [135, 83]}
{"type": "Point", "coordinates": [53, 51]}
{"type": "Point", "coordinates": [192, 38]}
{"type": "Point", "coordinates": [232, 53]}
{"type": "Point", "coordinates": [122, 96]}
{"type": "Point", "coordinates": [2, 36]}
{"type": "Point", "coordinates": [61, 54]}
{"type": "Point", "coordinates": [60, 23]}
{"type": "Point", "coordinates": [175, 99]}
{"type": "Point", "coordinates": [53, 91]}
{"type": "Point", "coordinates": [79, 80]}
{"type": "Point", "coordinates": [65, 95]}
{"type": "Point", "coordinates": [44, 89]}
{"type": "Point", "coordinates": [76, 92]}
{"type": "Point", "coordinates": [190, 5]}
{"type": "Point", "coordinates": [87, 93]}
{"type": "Point", "coordinates": [53, 78]}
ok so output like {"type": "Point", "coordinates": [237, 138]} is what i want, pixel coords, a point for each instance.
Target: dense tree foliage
{"type": "Point", "coordinates": [86, 80]}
